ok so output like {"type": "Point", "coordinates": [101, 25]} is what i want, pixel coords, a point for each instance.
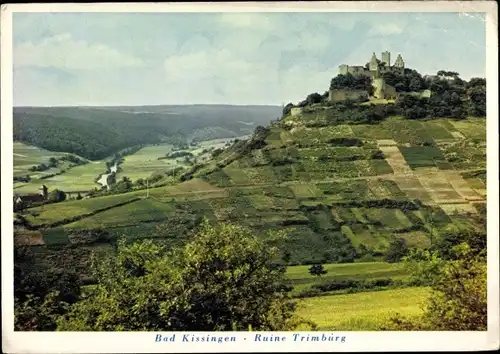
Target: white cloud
{"type": "Point", "coordinates": [64, 52]}
{"type": "Point", "coordinates": [218, 76]}
{"type": "Point", "coordinates": [234, 58]}
{"type": "Point", "coordinates": [385, 29]}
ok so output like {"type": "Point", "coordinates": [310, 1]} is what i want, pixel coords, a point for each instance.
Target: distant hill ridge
{"type": "Point", "coordinates": [97, 132]}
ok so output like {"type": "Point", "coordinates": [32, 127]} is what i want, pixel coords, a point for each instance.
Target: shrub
{"type": "Point", "coordinates": [317, 269]}
{"type": "Point", "coordinates": [221, 268]}
{"type": "Point", "coordinates": [397, 250]}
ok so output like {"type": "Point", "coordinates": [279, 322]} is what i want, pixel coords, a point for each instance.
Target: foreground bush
{"type": "Point", "coordinates": [223, 279]}
{"type": "Point", "coordinates": [458, 300]}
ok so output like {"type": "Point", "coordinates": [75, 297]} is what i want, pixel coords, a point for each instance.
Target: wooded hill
{"type": "Point", "coordinates": [96, 133]}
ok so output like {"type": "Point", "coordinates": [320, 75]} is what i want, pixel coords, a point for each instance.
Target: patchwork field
{"type": "Point", "coordinates": [77, 178]}
{"type": "Point", "coordinates": [342, 193]}
{"type": "Point", "coordinates": [302, 280]}
{"type": "Point", "coordinates": [151, 159]}
{"type": "Point", "coordinates": [145, 162]}
{"type": "Point", "coordinates": [366, 311]}
{"type": "Point", "coordinates": [57, 212]}
{"type": "Point", "coordinates": [26, 156]}
{"type": "Point", "coordinates": [64, 176]}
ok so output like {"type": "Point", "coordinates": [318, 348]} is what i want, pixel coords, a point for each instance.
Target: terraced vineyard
{"type": "Point", "coordinates": [342, 192]}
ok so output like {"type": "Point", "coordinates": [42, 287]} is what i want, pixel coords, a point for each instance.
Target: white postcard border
{"type": "Point", "coordinates": [136, 342]}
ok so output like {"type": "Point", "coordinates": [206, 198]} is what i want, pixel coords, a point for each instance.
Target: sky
{"type": "Point", "coordinates": [224, 58]}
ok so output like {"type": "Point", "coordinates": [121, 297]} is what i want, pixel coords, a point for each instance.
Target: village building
{"type": "Point", "coordinates": [29, 198]}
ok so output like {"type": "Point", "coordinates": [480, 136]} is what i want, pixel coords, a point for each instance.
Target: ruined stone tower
{"type": "Point", "coordinates": [44, 191]}
{"type": "Point", "coordinates": [374, 63]}
{"type": "Point", "coordinates": [399, 63]}
{"type": "Point", "coordinates": [386, 58]}
{"type": "Point", "coordinates": [375, 68]}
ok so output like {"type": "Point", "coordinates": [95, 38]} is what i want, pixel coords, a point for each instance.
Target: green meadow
{"type": "Point", "coordinates": [302, 280]}
{"type": "Point", "coordinates": [365, 311]}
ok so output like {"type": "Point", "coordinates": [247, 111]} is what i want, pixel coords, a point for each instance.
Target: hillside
{"type": "Point", "coordinates": [349, 181]}
{"type": "Point", "coordinates": [343, 192]}
{"type": "Point", "coordinates": [97, 132]}
{"type": "Point", "coordinates": [355, 185]}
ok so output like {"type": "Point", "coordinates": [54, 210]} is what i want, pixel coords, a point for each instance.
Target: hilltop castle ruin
{"type": "Point", "coordinates": [374, 70]}
{"type": "Point", "coordinates": [380, 91]}
{"type": "Point", "coordinates": [375, 67]}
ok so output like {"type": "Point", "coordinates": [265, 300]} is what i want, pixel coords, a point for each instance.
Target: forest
{"type": "Point", "coordinates": [95, 133]}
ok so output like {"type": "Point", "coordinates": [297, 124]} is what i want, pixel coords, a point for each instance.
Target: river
{"type": "Point", "coordinates": [104, 178]}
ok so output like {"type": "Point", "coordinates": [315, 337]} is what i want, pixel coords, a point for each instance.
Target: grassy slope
{"type": "Point", "coordinates": [145, 162]}
{"type": "Point", "coordinates": [77, 178]}
{"type": "Point", "coordinates": [302, 280]}
{"type": "Point", "coordinates": [362, 311]}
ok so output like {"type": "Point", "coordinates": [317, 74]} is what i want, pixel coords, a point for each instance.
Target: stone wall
{"type": "Point", "coordinates": [345, 69]}
{"type": "Point", "coordinates": [342, 95]}
{"type": "Point", "coordinates": [382, 90]}
{"type": "Point", "coordinates": [426, 93]}
{"type": "Point", "coordinates": [357, 70]}
{"type": "Point", "coordinates": [421, 94]}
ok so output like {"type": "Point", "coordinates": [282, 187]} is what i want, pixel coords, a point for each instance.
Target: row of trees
{"type": "Point", "coordinates": [456, 99]}
{"type": "Point", "coordinates": [54, 162]}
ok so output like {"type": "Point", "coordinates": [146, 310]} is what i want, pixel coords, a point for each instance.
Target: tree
{"type": "Point", "coordinates": [430, 223]}
{"type": "Point", "coordinates": [446, 97]}
{"type": "Point", "coordinates": [476, 82]}
{"type": "Point", "coordinates": [140, 182]}
{"type": "Point", "coordinates": [313, 98]}
{"type": "Point", "coordinates": [53, 162]}
{"type": "Point", "coordinates": [455, 99]}
{"type": "Point", "coordinates": [57, 196]}
{"type": "Point", "coordinates": [397, 250]}
{"type": "Point", "coordinates": [415, 113]}
{"type": "Point", "coordinates": [124, 185]}
{"type": "Point", "coordinates": [260, 130]}
{"type": "Point", "coordinates": [477, 96]}
{"type": "Point", "coordinates": [450, 74]}
{"type": "Point", "coordinates": [458, 298]}
{"type": "Point", "coordinates": [287, 256]}
{"type": "Point", "coordinates": [41, 294]}
{"type": "Point", "coordinates": [79, 196]}
{"type": "Point", "coordinates": [458, 113]}
{"type": "Point", "coordinates": [216, 153]}
{"type": "Point", "coordinates": [350, 81]}
{"type": "Point", "coordinates": [287, 108]}
{"type": "Point", "coordinates": [457, 234]}
{"type": "Point", "coordinates": [415, 85]}
{"type": "Point", "coordinates": [223, 279]}
{"type": "Point", "coordinates": [317, 269]}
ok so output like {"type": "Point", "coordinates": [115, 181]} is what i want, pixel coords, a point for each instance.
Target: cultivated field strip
{"type": "Point", "coordinates": [332, 192]}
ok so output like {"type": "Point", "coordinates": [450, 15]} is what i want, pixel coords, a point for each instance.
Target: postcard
{"type": "Point", "coordinates": [250, 177]}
